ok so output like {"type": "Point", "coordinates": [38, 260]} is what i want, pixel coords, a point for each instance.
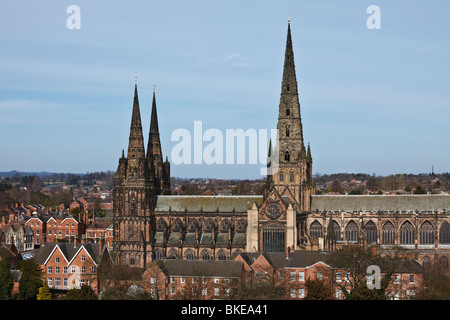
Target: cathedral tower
{"type": "Point", "coordinates": [139, 178]}
{"type": "Point", "coordinates": [291, 171]}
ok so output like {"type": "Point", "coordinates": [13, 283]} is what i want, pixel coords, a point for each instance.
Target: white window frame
{"type": "Point", "coordinates": [301, 276]}
{"type": "Point", "coordinates": [301, 293]}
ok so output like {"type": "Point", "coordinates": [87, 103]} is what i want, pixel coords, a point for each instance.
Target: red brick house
{"type": "Point", "coordinates": [68, 265]}
{"type": "Point", "coordinates": [96, 230]}
{"type": "Point", "coordinates": [38, 226]}
{"type": "Point", "coordinates": [192, 279]}
{"type": "Point", "coordinates": [61, 228]}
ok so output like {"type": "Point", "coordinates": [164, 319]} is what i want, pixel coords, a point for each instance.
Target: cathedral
{"type": "Point", "coordinates": [150, 223]}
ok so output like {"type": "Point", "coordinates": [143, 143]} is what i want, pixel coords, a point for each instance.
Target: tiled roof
{"type": "Point", "coordinates": [429, 202]}
{"type": "Point", "coordinates": [207, 268]}
{"type": "Point", "coordinates": [68, 249]}
{"type": "Point", "coordinates": [205, 203]}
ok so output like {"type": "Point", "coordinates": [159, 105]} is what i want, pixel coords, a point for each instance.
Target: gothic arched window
{"type": "Point", "coordinates": [177, 226]}
{"type": "Point", "coordinates": [193, 226]}
{"type": "Point", "coordinates": [443, 262]}
{"type": "Point", "coordinates": [444, 233]}
{"type": "Point", "coordinates": [426, 233]}
{"type": "Point", "coordinates": [172, 254]}
{"type": "Point", "coordinates": [205, 255]}
{"type": "Point", "coordinates": [242, 226]}
{"type": "Point", "coordinates": [337, 231]}
{"type": "Point", "coordinates": [133, 207]}
{"type": "Point", "coordinates": [388, 233]}
{"type": "Point", "coordinates": [281, 176]}
{"type": "Point", "coordinates": [222, 255]}
{"type": "Point", "coordinates": [407, 233]}
{"type": "Point", "coordinates": [287, 132]}
{"type": "Point", "coordinates": [371, 232]}
{"type": "Point", "coordinates": [316, 230]}
{"type": "Point", "coordinates": [351, 232]}
{"type": "Point", "coordinates": [209, 225]}
{"type": "Point", "coordinates": [189, 254]}
{"type": "Point", "coordinates": [287, 156]}
{"type": "Point", "coordinates": [291, 177]}
{"type": "Point", "coordinates": [273, 237]}
{"type": "Point", "coordinates": [158, 254]}
{"type": "Point", "coordinates": [225, 225]}
{"type": "Point", "coordinates": [426, 262]}
{"type": "Point", "coordinates": [161, 225]}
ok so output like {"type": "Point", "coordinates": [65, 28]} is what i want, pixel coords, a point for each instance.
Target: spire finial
{"type": "Point", "coordinates": [135, 79]}
{"type": "Point", "coordinates": [154, 87]}
{"type": "Point", "coordinates": [289, 18]}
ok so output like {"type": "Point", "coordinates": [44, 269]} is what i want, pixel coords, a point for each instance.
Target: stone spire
{"type": "Point", "coordinates": [289, 83]}
{"type": "Point", "coordinates": [290, 132]}
{"type": "Point", "coordinates": [154, 152]}
{"type": "Point", "coordinates": [291, 169]}
{"type": "Point", "coordinates": [136, 141]}
{"type": "Point", "coordinates": [308, 154]}
{"type": "Point", "coordinates": [159, 170]}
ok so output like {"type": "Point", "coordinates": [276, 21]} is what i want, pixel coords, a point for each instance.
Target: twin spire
{"type": "Point", "coordinates": [147, 170]}
{"type": "Point", "coordinates": [136, 148]}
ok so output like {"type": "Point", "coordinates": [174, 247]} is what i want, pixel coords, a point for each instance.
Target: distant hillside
{"type": "Point", "coordinates": [41, 174]}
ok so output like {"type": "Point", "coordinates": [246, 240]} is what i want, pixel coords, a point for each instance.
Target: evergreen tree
{"type": "Point", "coordinates": [30, 281]}
{"type": "Point", "coordinates": [6, 280]}
{"type": "Point", "coordinates": [44, 292]}
{"type": "Point", "coordinates": [84, 293]}
{"type": "Point", "coordinates": [317, 289]}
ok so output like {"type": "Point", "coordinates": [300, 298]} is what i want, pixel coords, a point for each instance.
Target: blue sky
{"type": "Point", "coordinates": [372, 101]}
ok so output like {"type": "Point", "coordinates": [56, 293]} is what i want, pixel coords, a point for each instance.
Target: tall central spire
{"type": "Point", "coordinates": [290, 132]}
{"type": "Point", "coordinates": [290, 172]}
{"type": "Point", "coordinates": [289, 83]}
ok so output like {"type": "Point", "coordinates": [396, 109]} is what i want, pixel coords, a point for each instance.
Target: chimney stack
{"type": "Point", "coordinates": [288, 250]}
{"type": "Point", "coordinates": [101, 244]}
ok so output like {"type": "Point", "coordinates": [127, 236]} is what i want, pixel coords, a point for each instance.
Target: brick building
{"type": "Point", "coordinates": [192, 279]}
{"type": "Point", "coordinates": [63, 227]}
{"type": "Point", "coordinates": [174, 279]}
{"type": "Point", "coordinates": [69, 265]}
{"type": "Point", "coordinates": [38, 225]}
